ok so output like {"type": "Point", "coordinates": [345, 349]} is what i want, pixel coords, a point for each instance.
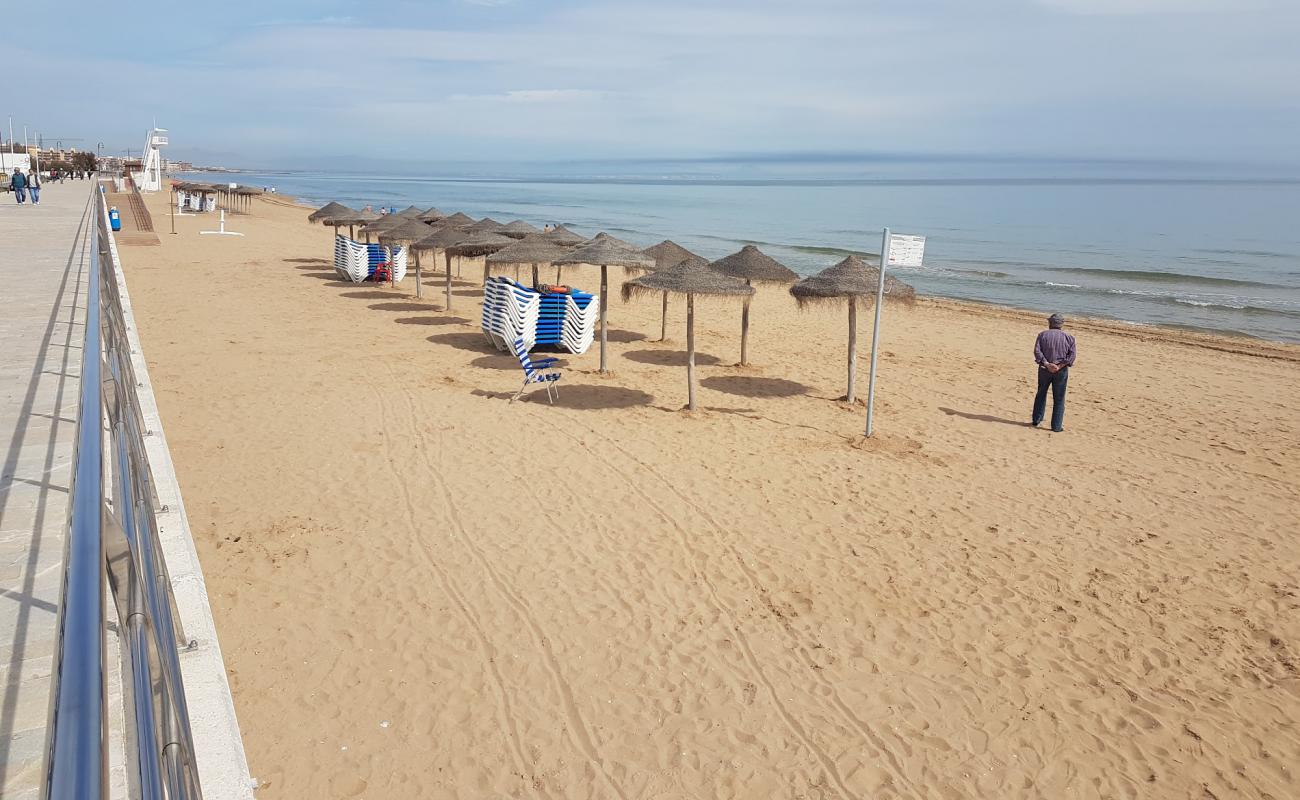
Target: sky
{"type": "Point", "coordinates": [321, 83]}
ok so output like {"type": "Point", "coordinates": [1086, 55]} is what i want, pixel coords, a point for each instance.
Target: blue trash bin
{"type": "Point", "coordinates": [115, 218]}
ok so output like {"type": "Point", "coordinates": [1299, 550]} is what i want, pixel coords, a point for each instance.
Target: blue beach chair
{"type": "Point", "coordinates": [539, 371]}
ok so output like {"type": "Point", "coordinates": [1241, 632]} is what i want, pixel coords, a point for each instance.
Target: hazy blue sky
{"type": "Point", "coordinates": [294, 82]}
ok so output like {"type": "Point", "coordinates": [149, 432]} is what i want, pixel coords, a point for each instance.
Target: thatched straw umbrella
{"type": "Point", "coordinates": [666, 254]}
{"type": "Point", "coordinates": [354, 218]}
{"type": "Point", "coordinates": [535, 249]}
{"type": "Point", "coordinates": [244, 198]}
{"type": "Point", "coordinates": [408, 232]}
{"type": "Point", "coordinates": [517, 229]}
{"type": "Point", "coordinates": [440, 239]}
{"type": "Point", "coordinates": [457, 220]}
{"type": "Point", "coordinates": [563, 236]}
{"type": "Point", "coordinates": [752, 266]}
{"type": "Point", "coordinates": [690, 277]}
{"type": "Point", "coordinates": [850, 280]}
{"type": "Point", "coordinates": [316, 216]}
{"type": "Point", "coordinates": [432, 214]}
{"type": "Point", "coordinates": [380, 224]}
{"type": "Point", "coordinates": [410, 212]}
{"type": "Point", "coordinates": [608, 252]}
{"type": "Point", "coordinates": [338, 219]}
{"type": "Point", "coordinates": [471, 245]}
{"type": "Point", "coordinates": [485, 225]}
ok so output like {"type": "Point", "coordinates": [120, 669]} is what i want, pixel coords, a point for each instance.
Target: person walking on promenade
{"type": "Point", "coordinates": [18, 184]}
{"type": "Point", "coordinates": [34, 186]}
{"type": "Point", "coordinates": [1054, 351]}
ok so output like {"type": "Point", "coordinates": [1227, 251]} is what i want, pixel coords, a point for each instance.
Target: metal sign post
{"type": "Point", "coordinates": [896, 250]}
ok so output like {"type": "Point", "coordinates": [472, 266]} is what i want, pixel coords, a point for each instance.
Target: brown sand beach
{"type": "Point", "coordinates": [426, 592]}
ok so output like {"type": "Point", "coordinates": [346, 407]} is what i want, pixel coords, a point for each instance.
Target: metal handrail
{"type": "Point", "coordinates": [112, 538]}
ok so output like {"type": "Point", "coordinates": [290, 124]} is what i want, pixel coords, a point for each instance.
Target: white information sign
{"type": "Point", "coordinates": [906, 251]}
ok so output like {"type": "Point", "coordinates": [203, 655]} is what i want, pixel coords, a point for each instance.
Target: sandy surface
{"type": "Point", "coordinates": [423, 591]}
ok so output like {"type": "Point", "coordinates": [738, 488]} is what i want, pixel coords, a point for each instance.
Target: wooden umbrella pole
{"type": "Point", "coordinates": [853, 346]}
{"type": "Point", "coordinates": [744, 330]}
{"type": "Point", "coordinates": [417, 274]}
{"type": "Point", "coordinates": [663, 324]}
{"type": "Point", "coordinates": [558, 269]}
{"type": "Point", "coordinates": [690, 351]}
{"type": "Point", "coordinates": [534, 276]}
{"type": "Point", "coordinates": [448, 256]}
{"type": "Point", "coordinates": [485, 271]}
{"type": "Point", "coordinates": [604, 308]}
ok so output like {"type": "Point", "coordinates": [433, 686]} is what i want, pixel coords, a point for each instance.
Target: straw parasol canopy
{"type": "Point", "coordinates": [666, 254]}
{"type": "Point", "coordinates": [457, 220]}
{"type": "Point", "coordinates": [689, 277]}
{"type": "Point", "coordinates": [318, 215]}
{"type": "Point", "coordinates": [442, 238]}
{"type": "Point", "coordinates": [361, 217]}
{"type": "Point", "coordinates": [752, 266]}
{"type": "Point", "coordinates": [382, 223]}
{"type": "Point", "coordinates": [480, 243]}
{"type": "Point", "coordinates": [532, 249]}
{"type": "Point", "coordinates": [564, 236]}
{"type": "Point", "coordinates": [485, 225]}
{"type": "Point", "coordinates": [471, 244]}
{"type": "Point", "coordinates": [410, 212]}
{"type": "Point", "coordinates": [407, 231]}
{"type": "Point", "coordinates": [517, 229]}
{"type": "Point", "coordinates": [608, 252]}
{"type": "Point", "coordinates": [850, 280]}
{"type": "Point", "coordinates": [432, 214]}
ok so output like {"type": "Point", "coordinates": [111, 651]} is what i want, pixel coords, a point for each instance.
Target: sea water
{"type": "Point", "coordinates": [1218, 254]}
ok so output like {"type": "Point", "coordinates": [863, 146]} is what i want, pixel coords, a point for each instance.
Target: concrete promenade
{"type": "Point", "coordinates": [44, 263]}
{"type": "Point", "coordinates": [44, 269]}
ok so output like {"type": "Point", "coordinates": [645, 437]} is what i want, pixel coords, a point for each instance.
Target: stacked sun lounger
{"type": "Point", "coordinates": [513, 311]}
{"type": "Point", "coordinates": [359, 261]}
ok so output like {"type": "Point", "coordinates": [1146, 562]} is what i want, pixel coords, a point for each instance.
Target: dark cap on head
{"type": "Point", "coordinates": [1055, 321]}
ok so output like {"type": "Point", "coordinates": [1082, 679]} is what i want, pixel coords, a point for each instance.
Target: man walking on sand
{"type": "Point", "coordinates": [18, 184]}
{"type": "Point", "coordinates": [1054, 352]}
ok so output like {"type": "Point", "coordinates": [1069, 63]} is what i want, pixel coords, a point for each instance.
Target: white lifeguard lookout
{"type": "Point", "coordinates": [150, 178]}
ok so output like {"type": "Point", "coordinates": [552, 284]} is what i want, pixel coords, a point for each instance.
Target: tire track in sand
{"type": "Point", "coordinates": [506, 715]}
{"type": "Point", "coordinates": [721, 608]}
{"type": "Point", "coordinates": [577, 727]}
{"type": "Point", "coordinates": [800, 647]}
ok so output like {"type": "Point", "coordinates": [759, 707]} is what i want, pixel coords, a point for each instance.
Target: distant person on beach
{"type": "Point", "coordinates": [18, 183]}
{"type": "Point", "coordinates": [34, 186]}
{"type": "Point", "coordinates": [1054, 352]}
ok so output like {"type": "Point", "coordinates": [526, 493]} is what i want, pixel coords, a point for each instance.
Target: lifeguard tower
{"type": "Point", "coordinates": [149, 178]}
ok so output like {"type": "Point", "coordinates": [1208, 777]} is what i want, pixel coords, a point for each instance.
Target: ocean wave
{"type": "Point", "coordinates": [831, 251]}
{"type": "Point", "coordinates": [1063, 285]}
{"type": "Point", "coordinates": [1255, 253]}
{"type": "Point", "coordinates": [1153, 276]}
{"type": "Point", "coordinates": [983, 273]}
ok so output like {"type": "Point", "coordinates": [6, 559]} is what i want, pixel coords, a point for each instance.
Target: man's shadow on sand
{"type": "Point", "coordinates": [952, 412]}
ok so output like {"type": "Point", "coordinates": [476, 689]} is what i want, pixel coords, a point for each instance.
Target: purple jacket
{"type": "Point", "coordinates": [1054, 346]}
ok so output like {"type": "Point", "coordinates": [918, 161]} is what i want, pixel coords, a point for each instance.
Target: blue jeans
{"type": "Point", "coordinates": [21, 194]}
{"type": "Point", "coordinates": [1056, 382]}
{"type": "Point", "coordinates": [36, 194]}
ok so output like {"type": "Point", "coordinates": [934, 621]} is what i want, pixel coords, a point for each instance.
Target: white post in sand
{"type": "Point", "coordinates": [896, 250]}
{"type": "Point", "coordinates": [223, 231]}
